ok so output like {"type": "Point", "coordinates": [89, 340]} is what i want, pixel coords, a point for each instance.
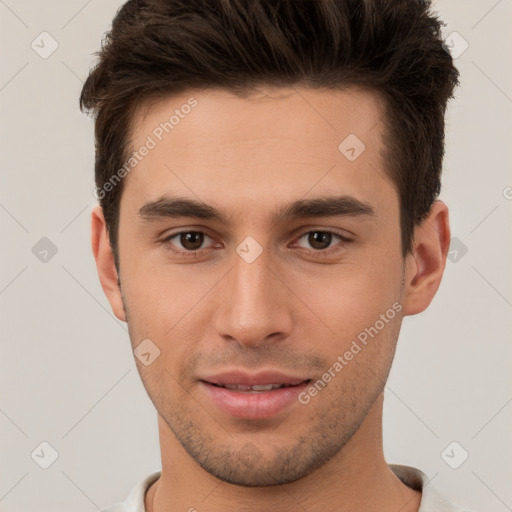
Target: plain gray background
{"type": "Point", "coordinates": [67, 375]}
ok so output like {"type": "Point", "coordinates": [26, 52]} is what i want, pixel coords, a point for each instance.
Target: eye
{"type": "Point", "coordinates": [190, 242]}
{"type": "Point", "coordinates": [320, 241]}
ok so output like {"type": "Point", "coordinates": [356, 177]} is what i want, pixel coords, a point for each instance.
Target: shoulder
{"type": "Point", "coordinates": [135, 500]}
{"type": "Point", "coordinates": [431, 499]}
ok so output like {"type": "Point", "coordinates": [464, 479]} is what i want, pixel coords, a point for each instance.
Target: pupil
{"type": "Point", "coordinates": [192, 240]}
{"type": "Point", "coordinates": [318, 239]}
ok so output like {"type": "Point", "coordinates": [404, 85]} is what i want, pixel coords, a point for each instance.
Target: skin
{"type": "Point", "coordinates": [288, 310]}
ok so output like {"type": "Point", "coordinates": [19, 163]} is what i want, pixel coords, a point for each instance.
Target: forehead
{"type": "Point", "coordinates": [272, 145]}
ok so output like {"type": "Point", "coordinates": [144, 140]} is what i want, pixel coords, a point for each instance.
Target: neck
{"type": "Point", "coordinates": [355, 479]}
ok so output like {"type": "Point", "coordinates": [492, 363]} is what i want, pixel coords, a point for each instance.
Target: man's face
{"type": "Point", "coordinates": [320, 282]}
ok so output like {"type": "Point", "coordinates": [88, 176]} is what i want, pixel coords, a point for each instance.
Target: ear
{"type": "Point", "coordinates": [104, 257]}
{"type": "Point", "coordinates": [424, 267]}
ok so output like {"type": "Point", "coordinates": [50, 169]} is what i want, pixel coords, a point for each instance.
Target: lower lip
{"type": "Point", "coordinates": [253, 405]}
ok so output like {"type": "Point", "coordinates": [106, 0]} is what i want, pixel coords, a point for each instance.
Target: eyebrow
{"type": "Point", "coordinates": [329, 206]}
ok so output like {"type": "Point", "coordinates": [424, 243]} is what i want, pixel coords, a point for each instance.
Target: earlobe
{"type": "Point", "coordinates": [104, 257]}
{"type": "Point", "coordinates": [426, 264]}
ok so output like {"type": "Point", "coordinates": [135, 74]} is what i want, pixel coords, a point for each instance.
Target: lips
{"type": "Point", "coordinates": [240, 379]}
{"type": "Point", "coordinates": [253, 389]}
{"type": "Point", "coordinates": [252, 396]}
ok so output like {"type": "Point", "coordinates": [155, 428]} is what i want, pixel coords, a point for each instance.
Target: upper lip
{"type": "Point", "coordinates": [261, 378]}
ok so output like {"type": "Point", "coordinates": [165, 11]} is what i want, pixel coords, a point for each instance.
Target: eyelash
{"type": "Point", "coordinates": [313, 252]}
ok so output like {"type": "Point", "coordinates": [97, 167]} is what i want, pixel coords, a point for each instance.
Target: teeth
{"type": "Point", "coordinates": [265, 388]}
{"type": "Point", "coordinates": [240, 387]}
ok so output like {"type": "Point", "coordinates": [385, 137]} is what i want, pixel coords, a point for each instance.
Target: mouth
{"type": "Point", "coordinates": [253, 401]}
{"type": "Point", "coordinates": [257, 388]}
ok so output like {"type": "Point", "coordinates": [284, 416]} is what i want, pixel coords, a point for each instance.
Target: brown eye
{"type": "Point", "coordinates": [319, 239]}
{"type": "Point", "coordinates": [192, 240]}
{"type": "Point", "coordinates": [320, 242]}
{"type": "Point", "coordinates": [188, 243]}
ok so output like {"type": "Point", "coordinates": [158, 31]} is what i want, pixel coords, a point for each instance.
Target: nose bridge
{"type": "Point", "coordinates": [253, 305]}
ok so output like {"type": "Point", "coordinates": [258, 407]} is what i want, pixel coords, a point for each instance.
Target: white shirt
{"type": "Point", "coordinates": [431, 499]}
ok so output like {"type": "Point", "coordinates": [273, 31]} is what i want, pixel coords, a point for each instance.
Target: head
{"type": "Point", "coordinates": [316, 128]}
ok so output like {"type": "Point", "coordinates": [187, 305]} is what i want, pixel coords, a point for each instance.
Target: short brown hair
{"type": "Point", "coordinates": [157, 48]}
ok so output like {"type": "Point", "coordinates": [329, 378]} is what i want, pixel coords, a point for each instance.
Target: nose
{"type": "Point", "coordinates": [254, 305]}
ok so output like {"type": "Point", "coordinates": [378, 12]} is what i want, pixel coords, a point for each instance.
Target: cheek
{"type": "Point", "coordinates": [348, 299]}
{"type": "Point", "coordinates": [161, 293]}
